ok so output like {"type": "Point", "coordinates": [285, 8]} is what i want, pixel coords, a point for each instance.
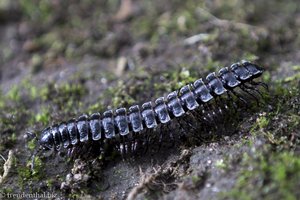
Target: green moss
{"type": "Point", "coordinates": [31, 90]}
{"type": "Point", "coordinates": [2, 102]}
{"type": "Point", "coordinates": [275, 176]}
{"type": "Point", "coordinates": [14, 93]}
{"type": "Point", "coordinates": [7, 54]}
{"type": "Point", "coordinates": [13, 138]}
{"type": "Point", "coordinates": [180, 20]}
{"type": "Point", "coordinates": [220, 164]}
{"type": "Point", "coordinates": [278, 125]}
{"type": "Point", "coordinates": [74, 195]}
{"type": "Point", "coordinates": [175, 80]}
{"type": "Point", "coordinates": [36, 10]}
{"type": "Point", "coordinates": [212, 65]}
{"type": "Point", "coordinates": [119, 95]}
{"type": "Point", "coordinates": [262, 122]}
{"type": "Point", "coordinates": [37, 172]}
{"type": "Point", "coordinates": [292, 78]}
{"type": "Point", "coordinates": [96, 107]}
{"type": "Point", "coordinates": [44, 92]}
{"type": "Point", "coordinates": [273, 139]}
{"type": "Point", "coordinates": [294, 122]}
{"type": "Point", "coordinates": [249, 56]}
{"type": "Point", "coordinates": [50, 183]}
{"type": "Point", "coordinates": [296, 67]}
{"type": "Point", "coordinates": [196, 179]}
{"type": "Point", "coordinates": [26, 176]}
{"type": "Point", "coordinates": [184, 77]}
{"type": "Point", "coordinates": [186, 20]}
{"type": "Point", "coordinates": [36, 63]}
{"type": "Point", "coordinates": [43, 116]}
{"type": "Point", "coordinates": [266, 77]}
{"type": "Point", "coordinates": [31, 144]}
{"type": "Point", "coordinates": [66, 96]}
{"type": "Point", "coordinates": [6, 190]}
{"type": "Point", "coordinates": [8, 127]}
{"type": "Point", "coordinates": [272, 172]}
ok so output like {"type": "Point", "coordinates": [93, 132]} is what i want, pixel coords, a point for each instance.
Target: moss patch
{"type": "Point", "coordinates": [268, 176]}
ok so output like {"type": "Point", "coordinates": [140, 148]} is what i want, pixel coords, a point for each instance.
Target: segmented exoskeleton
{"type": "Point", "coordinates": [126, 126]}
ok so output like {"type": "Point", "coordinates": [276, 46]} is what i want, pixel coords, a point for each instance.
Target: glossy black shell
{"type": "Point", "coordinates": [122, 122]}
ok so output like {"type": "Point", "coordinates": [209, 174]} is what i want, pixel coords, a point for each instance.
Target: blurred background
{"type": "Point", "coordinates": [59, 59]}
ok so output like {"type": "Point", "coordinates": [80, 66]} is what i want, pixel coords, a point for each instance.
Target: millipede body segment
{"type": "Point", "coordinates": [124, 125]}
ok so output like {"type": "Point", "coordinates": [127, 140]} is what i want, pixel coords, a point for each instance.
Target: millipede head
{"type": "Point", "coordinates": [254, 69]}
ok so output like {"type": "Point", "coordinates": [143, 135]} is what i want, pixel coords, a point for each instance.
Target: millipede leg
{"type": "Point", "coordinates": [205, 111]}
{"type": "Point", "coordinates": [201, 118]}
{"type": "Point", "coordinates": [139, 143]}
{"type": "Point", "coordinates": [122, 146]}
{"type": "Point", "coordinates": [221, 103]}
{"type": "Point", "coordinates": [168, 127]}
{"type": "Point", "coordinates": [222, 106]}
{"type": "Point", "coordinates": [250, 94]}
{"type": "Point", "coordinates": [264, 85]}
{"type": "Point", "coordinates": [72, 152]}
{"type": "Point", "coordinates": [146, 139]}
{"type": "Point", "coordinates": [135, 142]}
{"type": "Point", "coordinates": [204, 116]}
{"type": "Point", "coordinates": [239, 97]}
{"type": "Point", "coordinates": [197, 120]}
{"type": "Point", "coordinates": [160, 139]}
{"type": "Point", "coordinates": [181, 127]}
{"type": "Point", "coordinates": [131, 142]}
{"type": "Point", "coordinates": [253, 88]}
{"type": "Point", "coordinates": [231, 101]}
{"type": "Point", "coordinates": [212, 118]}
{"type": "Point", "coordinates": [218, 105]}
{"type": "Point", "coordinates": [189, 124]}
{"type": "Point", "coordinates": [126, 144]}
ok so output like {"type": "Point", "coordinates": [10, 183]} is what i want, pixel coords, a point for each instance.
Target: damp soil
{"type": "Point", "coordinates": [60, 59]}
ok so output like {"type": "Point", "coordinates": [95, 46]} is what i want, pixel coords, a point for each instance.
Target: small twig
{"type": "Point", "coordinates": [3, 158]}
{"type": "Point", "coordinates": [222, 22]}
{"type": "Point", "coordinates": [7, 166]}
{"type": "Point", "coordinates": [125, 11]}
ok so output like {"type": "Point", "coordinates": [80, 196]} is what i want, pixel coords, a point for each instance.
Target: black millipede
{"type": "Point", "coordinates": [126, 129]}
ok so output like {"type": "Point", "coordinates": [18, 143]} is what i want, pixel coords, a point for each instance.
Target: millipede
{"type": "Point", "coordinates": [132, 129]}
